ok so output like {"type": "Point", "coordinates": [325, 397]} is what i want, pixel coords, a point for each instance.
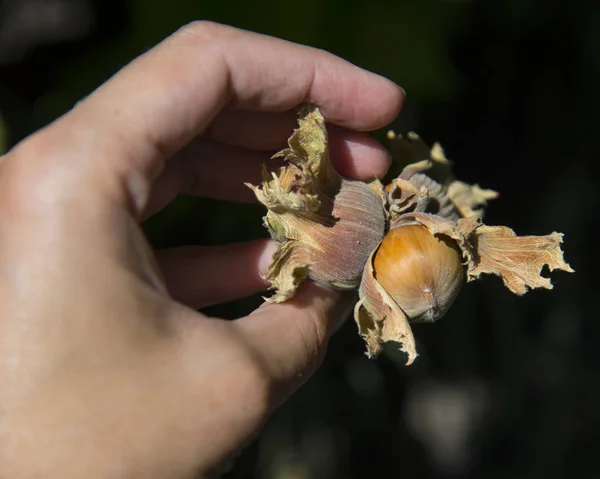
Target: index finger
{"type": "Point", "coordinates": [169, 95]}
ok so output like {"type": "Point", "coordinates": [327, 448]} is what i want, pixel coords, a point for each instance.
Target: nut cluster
{"type": "Point", "coordinates": [407, 247]}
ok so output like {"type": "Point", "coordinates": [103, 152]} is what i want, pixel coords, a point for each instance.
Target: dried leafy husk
{"type": "Point", "coordinates": [429, 167]}
{"type": "Point", "coordinates": [380, 319]}
{"type": "Point", "coordinates": [329, 228]}
{"type": "Point", "coordinates": [327, 225]}
{"type": "Point", "coordinates": [518, 260]}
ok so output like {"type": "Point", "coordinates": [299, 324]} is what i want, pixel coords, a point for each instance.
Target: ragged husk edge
{"type": "Point", "coordinates": [485, 250]}
{"type": "Point", "coordinates": [294, 196]}
{"type": "Point", "coordinates": [497, 250]}
{"type": "Point", "coordinates": [286, 272]}
{"type": "Point", "coordinates": [298, 186]}
{"type": "Point", "coordinates": [380, 319]}
{"type": "Point", "coordinates": [417, 157]}
{"type": "Point", "coordinates": [518, 260]}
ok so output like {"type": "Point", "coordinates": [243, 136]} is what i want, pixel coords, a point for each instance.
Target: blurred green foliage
{"type": "Point", "coordinates": [375, 35]}
{"type": "Point", "coordinates": [505, 386]}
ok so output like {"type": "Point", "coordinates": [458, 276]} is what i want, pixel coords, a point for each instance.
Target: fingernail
{"type": "Point", "coordinates": [265, 258]}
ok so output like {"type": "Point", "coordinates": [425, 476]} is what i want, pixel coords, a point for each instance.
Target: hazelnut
{"type": "Point", "coordinates": [423, 273]}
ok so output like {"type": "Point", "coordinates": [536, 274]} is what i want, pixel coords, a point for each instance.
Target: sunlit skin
{"type": "Point", "coordinates": [106, 368]}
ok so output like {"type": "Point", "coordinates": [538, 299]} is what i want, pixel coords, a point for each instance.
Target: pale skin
{"type": "Point", "coordinates": [106, 368]}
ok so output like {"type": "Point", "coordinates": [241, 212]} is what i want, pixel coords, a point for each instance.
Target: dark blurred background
{"type": "Point", "coordinates": [504, 386]}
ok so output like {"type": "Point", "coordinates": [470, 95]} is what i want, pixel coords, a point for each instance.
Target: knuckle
{"type": "Point", "coordinates": [201, 30]}
{"type": "Point", "coordinates": [39, 149]}
{"type": "Point", "coordinates": [18, 174]}
{"type": "Point", "coordinates": [32, 173]}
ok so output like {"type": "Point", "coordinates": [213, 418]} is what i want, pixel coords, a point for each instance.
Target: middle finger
{"type": "Point", "coordinates": [210, 169]}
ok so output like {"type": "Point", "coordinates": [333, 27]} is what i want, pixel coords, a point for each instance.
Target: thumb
{"type": "Point", "coordinates": [291, 338]}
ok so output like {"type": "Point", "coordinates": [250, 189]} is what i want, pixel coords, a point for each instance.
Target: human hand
{"type": "Point", "coordinates": [106, 369]}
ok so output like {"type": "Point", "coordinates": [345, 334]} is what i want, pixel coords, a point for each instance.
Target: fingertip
{"type": "Point", "coordinates": [353, 97]}
{"type": "Point", "coordinates": [391, 98]}
{"type": "Point", "coordinates": [266, 256]}
{"type": "Point", "coordinates": [358, 155]}
{"type": "Point", "coordinates": [381, 101]}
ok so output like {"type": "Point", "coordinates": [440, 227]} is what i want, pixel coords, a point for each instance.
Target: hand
{"type": "Point", "coordinates": [106, 369]}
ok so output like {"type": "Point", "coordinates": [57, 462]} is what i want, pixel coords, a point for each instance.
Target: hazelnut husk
{"type": "Point", "coordinates": [407, 247]}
